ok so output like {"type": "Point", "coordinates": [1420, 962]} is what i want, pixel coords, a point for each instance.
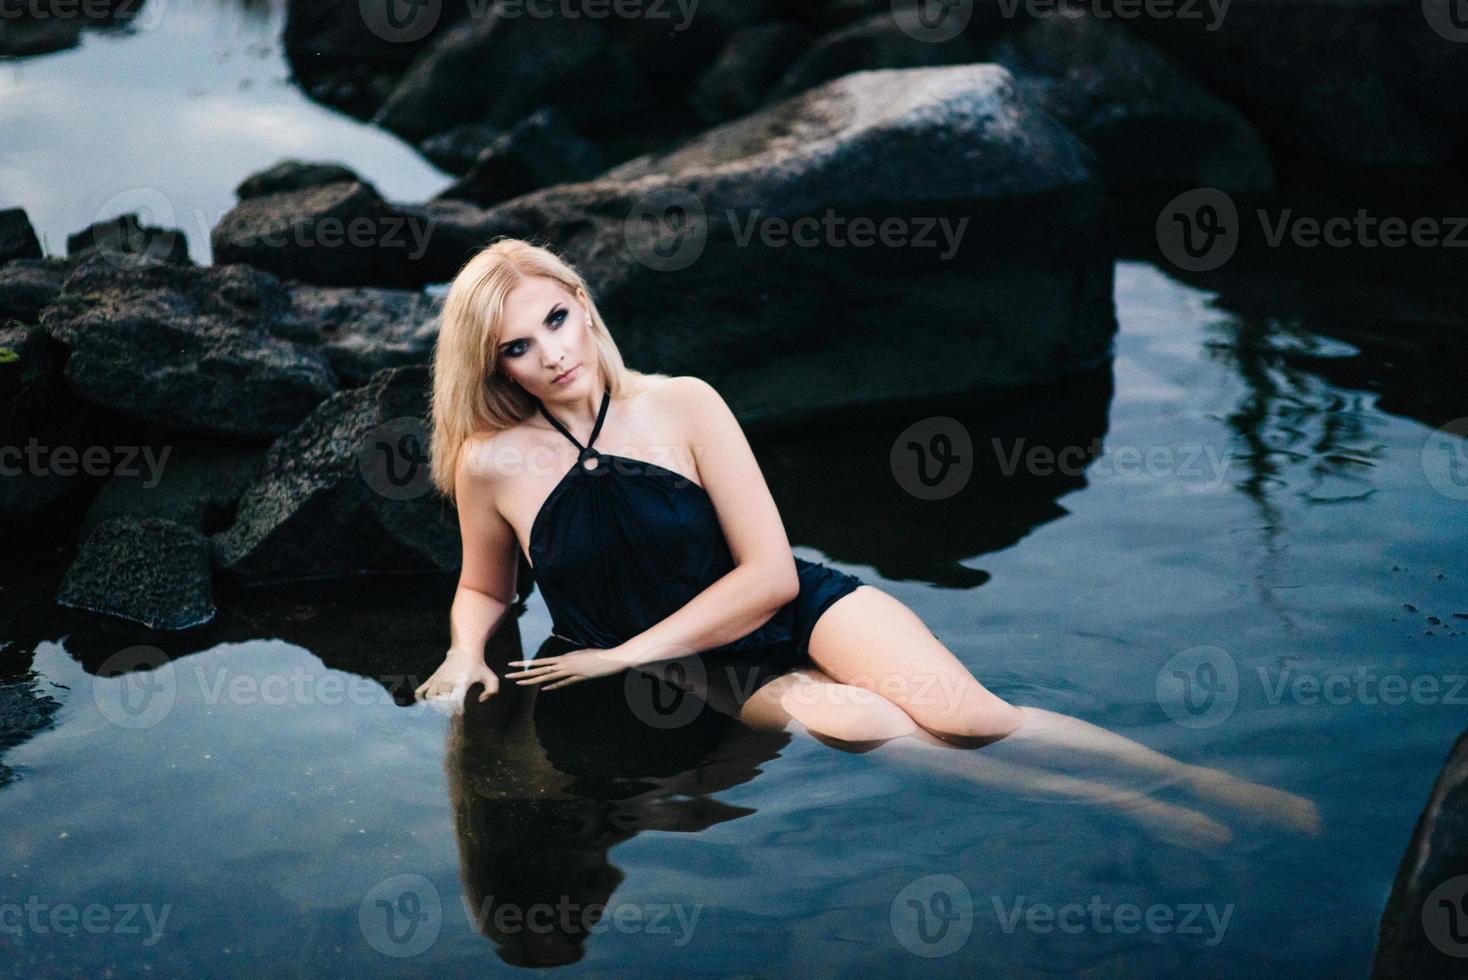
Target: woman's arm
{"type": "Point", "coordinates": [764, 577]}
{"type": "Point", "coordinates": [486, 586]}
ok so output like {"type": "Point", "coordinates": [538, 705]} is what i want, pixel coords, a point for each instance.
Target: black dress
{"type": "Point", "coordinates": [621, 544]}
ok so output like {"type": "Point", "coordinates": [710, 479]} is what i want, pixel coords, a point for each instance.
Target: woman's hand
{"type": "Point", "coordinates": [568, 668]}
{"type": "Point", "coordinates": [459, 671]}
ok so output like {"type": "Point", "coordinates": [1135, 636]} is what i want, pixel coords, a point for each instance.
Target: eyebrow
{"type": "Point", "coordinates": [545, 319]}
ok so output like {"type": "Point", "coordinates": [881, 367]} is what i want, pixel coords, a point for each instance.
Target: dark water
{"type": "Point", "coordinates": [1265, 483]}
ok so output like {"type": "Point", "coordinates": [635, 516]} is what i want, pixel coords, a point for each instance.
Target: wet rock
{"type": "Point", "coordinates": [540, 150]}
{"type": "Point", "coordinates": [24, 36]}
{"type": "Point", "coordinates": [195, 486]}
{"type": "Point", "coordinates": [340, 234]}
{"type": "Point", "coordinates": [17, 237]}
{"type": "Point", "coordinates": [1422, 928]}
{"type": "Point", "coordinates": [146, 570]}
{"type": "Point", "coordinates": [497, 69]}
{"type": "Point", "coordinates": [184, 348]}
{"type": "Point", "coordinates": [28, 286]}
{"type": "Point", "coordinates": [126, 233]}
{"type": "Point", "coordinates": [1013, 290]}
{"type": "Point", "coordinates": [752, 62]}
{"type": "Point", "coordinates": [41, 496]}
{"type": "Point", "coordinates": [346, 492]}
{"type": "Point", "coordinates": [1338, 82]}
{"type": "Point", "coordinates": [1147, 118]}
{"type": "Point", "coordinates": [455, 149]}
{"type": "Point", "coordinates": [362, 330]}
{"type": "Point", "coordinates": [294, 175]}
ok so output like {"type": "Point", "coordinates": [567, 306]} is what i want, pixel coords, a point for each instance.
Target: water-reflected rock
{"type": "Point", "coordinates": [147, 570]}
{"type": "Point", "coordinates": [1424, 928]}
{"type": "Point", "coordinates": [340, 234]}
{"type": "Point", "coordinates": [362, 330]}
{"type": "Point", "coordinates": [1147, 118]}
{"type": "Point", "coordinates": [24, 711]}
{"type": "Point", "coordinates": [540, 150]}
{"type": "Point", "coordinates": [184, 348]}
{"type": "Point", "coordinates": [346, 492]}
{"type": "Point", "coordinates": [845, 484]}
{"type": "Point", "coordinates": [17, 237]}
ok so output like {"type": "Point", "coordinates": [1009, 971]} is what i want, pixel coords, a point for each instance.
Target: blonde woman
{"type": "Point", "coordinates": [652, 535]}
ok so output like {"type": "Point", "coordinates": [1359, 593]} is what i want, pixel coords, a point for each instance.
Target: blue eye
{"type": "Point", "coordinates": [516, 348]}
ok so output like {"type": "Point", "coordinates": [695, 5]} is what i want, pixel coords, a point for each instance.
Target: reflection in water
{"type": "Point", "coordinates": [542, 787]}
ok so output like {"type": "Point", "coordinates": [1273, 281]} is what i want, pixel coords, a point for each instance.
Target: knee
{"type": "Point", "coordinates": [973, 726]}
{"type": "Point", "coordinates": [847, 714]}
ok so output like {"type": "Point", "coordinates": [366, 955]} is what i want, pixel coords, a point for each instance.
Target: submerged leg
{"type": "Point", "coordinates": [870, 639]}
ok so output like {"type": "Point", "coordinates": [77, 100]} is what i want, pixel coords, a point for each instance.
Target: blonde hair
{"type": "Point", "coordinates": [469, 396]}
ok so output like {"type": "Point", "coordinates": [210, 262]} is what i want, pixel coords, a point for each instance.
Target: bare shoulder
{"type": "Point", "coordinates": [687, 397]}
{"type": "Point", "coordinates": [482, 451]}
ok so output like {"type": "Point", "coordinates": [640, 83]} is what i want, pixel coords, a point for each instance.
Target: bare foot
{"type": "Point", "coordinates": [1257, 801]}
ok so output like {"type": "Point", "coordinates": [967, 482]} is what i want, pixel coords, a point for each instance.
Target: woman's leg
{"type": "Point", "coordinates": [854, 719]}
{"type": "Point", "coordinates": [870, 639]}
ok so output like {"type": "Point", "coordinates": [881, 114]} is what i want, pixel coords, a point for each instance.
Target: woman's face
{"type": "Point", "coordinates": [547, 335]}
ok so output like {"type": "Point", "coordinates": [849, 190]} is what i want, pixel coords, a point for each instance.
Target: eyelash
{"type": "Point", "coordinates": [510, 350]}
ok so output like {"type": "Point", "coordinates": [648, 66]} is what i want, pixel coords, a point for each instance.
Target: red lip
{"type": "Point", "coordinates": [560, 378]}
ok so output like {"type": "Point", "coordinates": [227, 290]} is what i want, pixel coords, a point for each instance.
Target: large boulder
{"type": "Point", "coordinates": [990, 263]}
{"type": "Point", "coordinates": [183, 348]}
{"type": "Point", "coordinates": [147, 570]}
{"type": "Point", "coordinates": [340, 234]}
{"type": "Point", "coordinates": [346, 492]}
{"type": "Point", "coordinates": [294, 175]}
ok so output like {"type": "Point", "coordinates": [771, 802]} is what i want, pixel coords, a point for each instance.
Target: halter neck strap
{"type": "Point", "coordinates": [606, 400]}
